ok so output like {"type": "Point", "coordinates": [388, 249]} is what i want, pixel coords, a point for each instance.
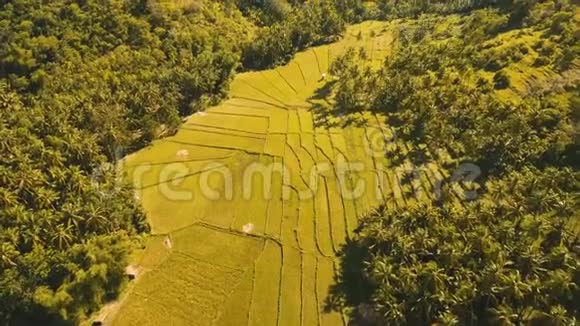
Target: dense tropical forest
{"type": "Point", "coordinates": [508, 252]}
{"type": "Point", "coordinates": [85, 82]}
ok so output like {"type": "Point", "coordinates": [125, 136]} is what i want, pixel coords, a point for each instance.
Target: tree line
{"type": "Point", "coordinates": [511, 255]}
{"type": "Point", "coordinates": [82, 83]}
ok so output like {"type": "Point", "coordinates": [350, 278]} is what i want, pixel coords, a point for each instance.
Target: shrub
{"type": "Point", "coordinates": [501, 80]}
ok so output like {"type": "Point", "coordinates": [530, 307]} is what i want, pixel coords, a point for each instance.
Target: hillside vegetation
{"type": "Point", "coordinates": [83, 83]}
{"type": "Point", "coordinates": [493, 98]}
{"type": "Point", "coordinates": [460, 116]}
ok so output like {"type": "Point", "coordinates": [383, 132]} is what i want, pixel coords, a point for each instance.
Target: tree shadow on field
{"type": "Point", "coordinates": [351, 291]}
{"type": "Point", "coordinates": [323, 111]}
{"type": "Point", "coordinates": [324, 92]}
{"type": "Point", "coordinates": [327, 115]}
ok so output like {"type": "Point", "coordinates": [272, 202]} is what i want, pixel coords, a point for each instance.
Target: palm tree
{"type": "Point", "coordinates": [46, 198]}
{"type": "Point", "coordinates": [63, 235]}
{"type": "Point", "coordinates": [8, 198]}
{"type": "Point", "coordinates": [34, 228]}
{"type": "Point", "coordinates": [58, 177]}
{"type": "Point", "coordinates": [96, 218]}
{"type": "Point", "coordinates": [8, 255]}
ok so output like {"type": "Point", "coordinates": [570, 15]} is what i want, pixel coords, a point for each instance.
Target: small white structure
{"type": "Point", "coordinates": [167, 242]}
{"type": "Point", "coordinates": [323, 76]}
{"type": "Point", "coordinates": [184, 153]}
{"type": "Point", "coordinates": [132, 271]}
{"type": "Point", "coordinates": [248, 228]}
{"type": "Point", "coordinates": [200, 113]}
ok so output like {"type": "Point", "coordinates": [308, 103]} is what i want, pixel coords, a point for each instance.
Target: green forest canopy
{"type": "Point", "coordinates": [85, 81]}
{"type": "Point", "coordinates": [496, 89]}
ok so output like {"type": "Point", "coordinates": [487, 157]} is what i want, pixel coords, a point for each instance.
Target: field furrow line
{"type": "Point", "coordinates": [317, 61]}
{"type": "Point", "coordinates": [249, 152]}
{"type": "Point", "coordinates": [301, 72]}
{"type": "Point", "coordinates": [279, 307]}
{"type": "Point", "coordinates": [317, 285]}
{"type": "Point", "coordinates": [271, 83]}
{"type": "Point", "coordinates": [330, 225]}
{"type": "Point", "coordinates": [286, 81]}
{"type": "Point", "coordinates": [298, 199]}
{"type": "Point", "coordinates": [198, 259]}
{"type": "Point", "coordinates": [223, 106]}
{"type": "Point", "coordinates": [268, 108]}
{"type": "Point", "coordinates": [301, 289]}
{"type": "Point", "coordinates": [224, 132]}
{"type": "Point", "coordinates": [177, 178]}
{"type": "Point", "coordinates": [181, 161]}
{"type": "Point", "coordinates": [235, 232]}
{"type": "Point", "coordinates": [255, 266]}
{"type": "Point", "coordinates": [267, 282]}
{"type": "Point", "coordinates": [283, 106]}
{"type": "Point", "coordinates": [265, 93]}
{"type": "Point", "coordinates": [349, 228]}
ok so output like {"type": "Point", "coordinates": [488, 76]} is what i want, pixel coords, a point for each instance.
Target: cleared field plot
{"type": "Point", "coordinates": [307, 226]}
{"type": "Point", "coordinates": [275, 145]}
{"type": "Point", "coordinates": [253, 190]}
{"type": "Point", "coordinates": [233, 108]}
{"type": "Point", "coordinates": [337, 214]}
{"type": "Point", "coordinates": [293, 75]}
{"type": "Point", "coordinates": [323, 220]}
{"type": "Point", "coordinates": [198, 242]}
{"type": "Point", "coordinates": [293, 122]}
{"type": "Point", "coordinates": [339, 143]}
{"type": "Point", "coordinates": [230, 121]}
{"type": "Point", "coordinates": [246, 88]}
{"type": "Point", "coordinates": [213, 140]}
{"type": "Point", "coordinates": [307, 62]}
{"type": "Point", "coordinates": [264, 308]}
{"type": "Point", "coordinates": [310, 299]}
{"type": "Point", "coordinates": [324, 281]}
{"type": "Point", "coordinates": [165, 152]}
{"type": "Point", "coordinates": [325, 150]}
{"type": "Point", "coordinates": [291, 289]}
{"type": "Point", "coordinates": [237, 307]}
{"type": "Point", "coordinates": [322, 54]}
{"type": "Point", "coordinates": [279, 122]}
{"type": "Point", "coordinates": [267, 84]}
{"type": "Point", "coordinates": [276, 82]}
{"type": "Point", "coordinates": [276, 204]}
{"type": "Point", "coordinates": [224, 131]}
{"type": "Point", "coordinates": [167, 294]}
{"type": "Point", "coordinates": [170, 194]}
{"type": "Point", "coordinates": [155, 253]}
{"type": "Point", "coordinates": [305, 118]}
{"type": "Point", "coordinates": [244, 102]}
{"type": "Point", "coordinates": [308, 147]}
{"type": "Point", "coordinates": [246, 202]}
{"type": "Point", "coordinates": [306, 184]}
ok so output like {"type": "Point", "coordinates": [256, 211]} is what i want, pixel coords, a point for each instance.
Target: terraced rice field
{"type": "Point", "coordinates": [231, 247]}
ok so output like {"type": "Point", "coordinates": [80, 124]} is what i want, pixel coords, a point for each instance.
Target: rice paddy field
{"type": "Point", "coordinates": [229, 247]}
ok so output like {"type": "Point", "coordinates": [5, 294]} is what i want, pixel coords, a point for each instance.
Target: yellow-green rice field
{"type": "Point", "coordinates": [248, 202]}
